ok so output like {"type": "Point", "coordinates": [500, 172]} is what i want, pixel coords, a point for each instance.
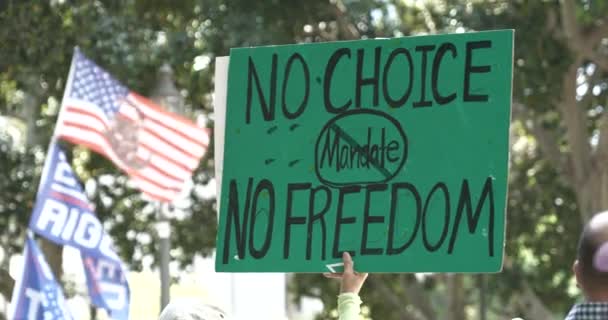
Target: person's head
{"type": "Point", "coordinates": [190, 310]}
{"type": "Point", "coordinates": [591, 265]}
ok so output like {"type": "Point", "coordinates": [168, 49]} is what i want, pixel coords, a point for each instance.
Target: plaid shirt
{"type": "Point", "coordinates": [589, 311]}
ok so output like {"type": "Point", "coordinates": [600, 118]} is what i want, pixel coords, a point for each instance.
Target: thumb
{"type": "Point", "coordinates": [348, 263]}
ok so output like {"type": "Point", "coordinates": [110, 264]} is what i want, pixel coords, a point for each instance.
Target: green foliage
{"type": "Point", "coordinates": [543, 222]}
{"type": "Point", "coordinates": [16, 174]}
{"type": "Point", "coordinates": [132, 38]}
{"type": "Point", "coordinates": [42, 36]}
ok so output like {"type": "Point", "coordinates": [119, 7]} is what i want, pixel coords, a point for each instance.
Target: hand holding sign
{"type": "Point", "coordinates": [352, 281]}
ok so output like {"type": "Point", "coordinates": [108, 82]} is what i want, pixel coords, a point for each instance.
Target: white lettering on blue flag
{"type": "Point", "coordinates": [64, 215]}
{"type": "Point", "coordinates": [36, 295]}
{"type": "Point", "coordinates": [107, 285]}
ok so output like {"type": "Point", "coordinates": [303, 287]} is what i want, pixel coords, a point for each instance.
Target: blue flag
{"type": "Point", "coordinates": [64, 215]}
{"type": "Point", "coordinates": [36, 295]}
{"type": "Point", "coordinates": [107, 285]}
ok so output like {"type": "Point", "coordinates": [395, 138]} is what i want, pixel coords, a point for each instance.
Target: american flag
{"type": "Point", "coordinates": [156, 148]}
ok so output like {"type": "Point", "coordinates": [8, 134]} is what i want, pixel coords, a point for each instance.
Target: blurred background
{"type": "Point", "coordinates": [558, 165]}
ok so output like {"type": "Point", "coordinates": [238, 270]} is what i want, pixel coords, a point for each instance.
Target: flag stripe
{"type": "Point", "coordinates": [169, 165]}
{"type": "Point", "coordinates": [86, 137]}
{"type": "Point", "coordinates": [99, 143]}
{"type": "Point", "coordinates": [71, 200]}
{"type": "Point", "coordinates": [197, 139]}
{"type": "Point", "coordinates": [194, 150]}
{"type": "Point", "coordinates": [174, 141]}
{"type": "Point", "coordinates": [158, 146]}
{"type": "Point", "coordinates": [73, 193]}
{"type": "Point", "coordinates": [81, 113]}
{"type": "Point", "coordinates": [155, 191]}
{"type": "Point", "coordinates": [100, 113]}
{"type": "Point", "coordinates": [93, 123]}
{"type": "Point", "coordinates": [172, 121]}
{"type": "Point", "coordinates": [84, 106]}
{"type": "Point", "coordinates": [151, 174]}
{"type": "Point", "coordinates": [85, 118]}
{"type": "Point", "coordinates": [166, 167]}
{"type": "Point", "coordinates": [184, 171]}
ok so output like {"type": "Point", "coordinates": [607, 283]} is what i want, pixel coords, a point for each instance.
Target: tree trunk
{"type": "Point", "coordinates": [417, 296]}
{"type": "Point", "coordinates": [30, 112]}
{"type": "Point", "coordinates": [378, 283]}
{"type": "Point", "coordinates": [593, 193]}
{"type": "Point", "coordinates": [6, 284]}
{"type": "Point", "coordinates": [589, 170]}
{"type": "Point", "coordinates": [53, 253]}
{"type": "Point", "coordinates": [483, 294]}
{"type": "Point", "coordinates": [531, 306]}
{"type": "Point", "coordinates": [455, 285]}
{"type": "Point", "coordinates": [93, 312]}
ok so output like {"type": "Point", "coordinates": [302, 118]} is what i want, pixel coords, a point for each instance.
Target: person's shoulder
{"type": "Point", "coordinates": [588, 310]}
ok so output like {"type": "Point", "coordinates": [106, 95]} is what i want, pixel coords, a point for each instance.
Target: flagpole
{"type": "Point", "coordinates": [167, 96]}
{"type": "Point", "coordinates": [66, 92]}
{"type": "Point", "coordinates": [52, 144]}
{"type": "Point", "coordinates": [163, 229]}
{"type": "Point", "coordinates": [68, 87]}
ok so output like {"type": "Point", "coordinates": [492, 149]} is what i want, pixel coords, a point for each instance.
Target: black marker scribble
{"type": "Point", "coordinates": [292, 163]}
{"type": "Point", "coordinates": [333, 140]}
{"type": "Point", "coordinates": [293, 127]}
{"type": "Point", "coordinates": [272, 129]}
{"type": "Point", "coordinates": [350, 140]}
{"type": "Point", "coordinates": [268, 161]}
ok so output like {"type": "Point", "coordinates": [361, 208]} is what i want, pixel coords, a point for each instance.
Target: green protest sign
{"type": "Point", "coordinates": [395, 150]}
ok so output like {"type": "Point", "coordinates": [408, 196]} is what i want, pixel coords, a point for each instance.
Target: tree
{"type": "Point", "coordinates": [33, 72]}
{"type": "Point", "coordinates": [559, 142]}
{"type": "Point", "coordinates": [559, 134]}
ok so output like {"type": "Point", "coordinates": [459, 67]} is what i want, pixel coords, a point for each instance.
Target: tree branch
{"type": "Point", "coordinates": [576, 125]}
{"type": "Point", "coordinates": [600, 32]}
{"type": "Point", "coordinates": [428, 19]}
{"type": "Point", "coordinates": [397, 304]}
{"type": "Point", "coordinates": [415, 294]}
{"type": "Point", "coordinates": [601, 154]}
{"type": "Point", "coordinates": [525, 298]}
{"type": "Point", "coordinates": [580, 44]}
{"type": "Point", "coordinates": [532, 306]}
{"type": "Point", "coordinates": [598, 61]}
{"type": "Point", "coordinates": [591, 40]}
{"type": "Point", "coordinates": [573, 115]}
{"type": "Point", "coordinates": [54, 257]}
{"type": "Point", "coordinates": [547, 141]}
{"type": "Point", "coordinates": [456, 295]}
{"type": "Point", "coordinates": [591, 43]}
{"type": "Point", "coordinates": [349, 31]}
{"type": "Point", "coordinates": [569, 24]}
